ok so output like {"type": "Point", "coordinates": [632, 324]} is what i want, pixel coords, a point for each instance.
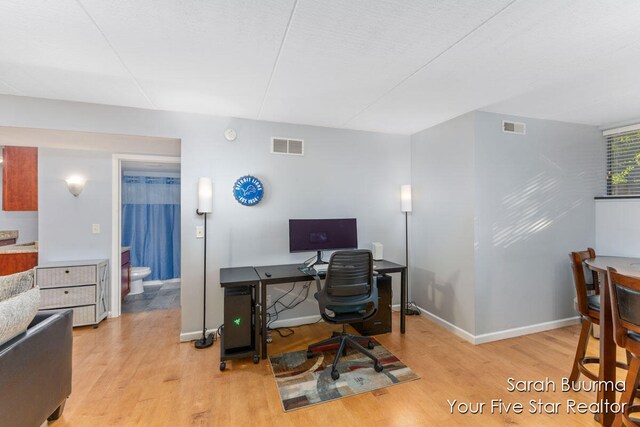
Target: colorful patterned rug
{"type": "Point", "coordinates": [303, 382]}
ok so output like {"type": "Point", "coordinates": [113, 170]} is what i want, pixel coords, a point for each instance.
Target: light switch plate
{"type": "Point", "coordinates": [95, 228]}
{"type": "Point", "coordinates": [199, 232]}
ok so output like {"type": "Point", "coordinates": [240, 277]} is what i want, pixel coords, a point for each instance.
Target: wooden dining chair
{"type": "Point", "coordinates": [588, 304]}
{"type": "Point", "coordinates": [625, 307]}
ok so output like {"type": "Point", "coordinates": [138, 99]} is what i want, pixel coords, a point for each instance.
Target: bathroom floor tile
{"type": "Point", "coordinates": [153, 298]}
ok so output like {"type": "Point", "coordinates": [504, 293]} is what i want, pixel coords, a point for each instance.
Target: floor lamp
{"type": "Point", "coordinates": [205, 206]}
{"type": "Point", "coordinates": [405, 206]}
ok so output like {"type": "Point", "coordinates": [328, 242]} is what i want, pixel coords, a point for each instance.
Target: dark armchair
{"type": "Point", "coordinates": [35, 371]}
{"type": "Point", "coordinates": [349, 295]}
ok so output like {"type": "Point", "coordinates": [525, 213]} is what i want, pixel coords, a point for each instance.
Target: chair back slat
{"type": "Point", "coordinates": [580, 274]}
{"type": "Point", "coordinates": [350, 273]}
{"type": "Point", "coordinates": [625, 304]}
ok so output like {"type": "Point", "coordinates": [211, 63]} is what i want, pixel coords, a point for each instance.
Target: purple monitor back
{"type": "Point", "coordinates": [306, 235]}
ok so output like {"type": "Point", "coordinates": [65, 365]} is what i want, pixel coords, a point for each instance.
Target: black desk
{"type": "Point", "coordinates": [289, 273]}
{"type": "Point", "coordinates": [238, 276]}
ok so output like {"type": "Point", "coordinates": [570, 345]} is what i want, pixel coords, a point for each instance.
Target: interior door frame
{"type": "Point", "coordinates": [116, 220]}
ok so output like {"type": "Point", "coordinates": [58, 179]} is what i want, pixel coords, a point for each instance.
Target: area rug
{"type": "Point", "coordinates": [303, 382]}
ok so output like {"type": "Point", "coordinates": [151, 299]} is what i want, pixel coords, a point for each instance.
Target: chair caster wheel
{"type": "Point", "coordinates": [222, 366]}
{"type": "Point", "coordinates": [335, 375]}
{"type": "Point", "coordinates": [370, 345]}
{"type": "Point", "coordinates": [309, 354]}
{"type": "Point", "coordinates": [256, 359]}
{"type": "Point", "coordinates": [378, 367]}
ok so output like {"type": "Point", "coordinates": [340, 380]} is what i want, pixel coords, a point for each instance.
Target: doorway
{"type": "Point", "coordinates": [147, 235]}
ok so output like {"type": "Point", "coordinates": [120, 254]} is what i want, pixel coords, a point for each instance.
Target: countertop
{"type": "Point", "coordinates": [23, 248]}
{"type": "Point", "coordinates": [8, 234]}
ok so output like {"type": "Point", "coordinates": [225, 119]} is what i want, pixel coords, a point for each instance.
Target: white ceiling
{"type": "Point", "coordinates": [395, 66]}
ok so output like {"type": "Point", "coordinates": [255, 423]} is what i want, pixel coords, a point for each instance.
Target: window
{"type": "Point", "coordinates": [623, 164]}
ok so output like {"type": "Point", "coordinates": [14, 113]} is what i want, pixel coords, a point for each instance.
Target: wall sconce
{"type": "Point", "coordinates": [75, 184]}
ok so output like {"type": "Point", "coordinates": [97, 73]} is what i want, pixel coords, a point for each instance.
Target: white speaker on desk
{"type": "Point", "coordinates": [376, 248]}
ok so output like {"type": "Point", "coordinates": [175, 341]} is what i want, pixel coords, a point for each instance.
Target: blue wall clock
{"type": "Point", "coordinates": [248, 190]}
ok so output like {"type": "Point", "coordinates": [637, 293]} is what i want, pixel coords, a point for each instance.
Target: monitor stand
{"type": "Point", "coordinates": [316, 261]}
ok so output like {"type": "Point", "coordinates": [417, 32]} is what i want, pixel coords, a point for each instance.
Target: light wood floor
{"type": "Point", "coordinates": [131, 371]}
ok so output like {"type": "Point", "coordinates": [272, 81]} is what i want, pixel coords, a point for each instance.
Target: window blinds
{"type": "Point", "coordinates": [623, 164]}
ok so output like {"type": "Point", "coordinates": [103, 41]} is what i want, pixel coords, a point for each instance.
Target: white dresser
{"type": "Point", "coordinates": [82, 286]}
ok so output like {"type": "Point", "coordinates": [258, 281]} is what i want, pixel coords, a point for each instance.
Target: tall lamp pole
{"type": "Point", "coordinates": [205, 206]}
{"type": "Point", "coordinates": [405, 206]}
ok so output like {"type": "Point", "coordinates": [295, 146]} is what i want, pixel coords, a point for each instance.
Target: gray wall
{"type": "Point", "coordinates": [534, 205]}
{"type": "Point", "coordinates": [442, 277]}
{"type": "Point", "coordinates": [495, 216]}
{"type": "Point", "coordinates": [617, 227]}
{"type": "Point", "coordinates": [345, 173]}
{"type": "Point", "coordinates": [65, 225]}
{"type": "Point", "coordinates": [25, 222]}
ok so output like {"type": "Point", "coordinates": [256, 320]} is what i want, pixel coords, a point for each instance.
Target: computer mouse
{"type": "Point", "coordinates": [267, 274]}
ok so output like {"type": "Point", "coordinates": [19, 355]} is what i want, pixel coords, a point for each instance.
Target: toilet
{"type": "Point", "coordinates": [137, 274]}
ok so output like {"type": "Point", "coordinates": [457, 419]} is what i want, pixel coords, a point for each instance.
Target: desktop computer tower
{"type": "Point", "coordinates": [239, 328]}
{"type": "Point", "coordinates": [380, 323]}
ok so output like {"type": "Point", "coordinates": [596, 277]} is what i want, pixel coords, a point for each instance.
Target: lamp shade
{"type": "Point", "coordinates": [405, 198]}
{"type": "Point", "coordinates": [205, 195]}
{"type": "Point", "coordinates": [75, 184]}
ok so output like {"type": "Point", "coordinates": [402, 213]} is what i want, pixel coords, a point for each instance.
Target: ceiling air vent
{"type": "Point", "coordinates": [514, 127]}
{"type": "Point", "coordinates": [294, 147]}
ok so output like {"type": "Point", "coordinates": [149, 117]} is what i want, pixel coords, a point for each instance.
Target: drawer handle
{"type": "Point", "coordinates": [66, 271]}
{"type": "Point", "coordinates": [66, 292]}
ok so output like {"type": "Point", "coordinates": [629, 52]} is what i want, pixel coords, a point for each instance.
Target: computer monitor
{"type": "Point", "coordinates": [306, 235]}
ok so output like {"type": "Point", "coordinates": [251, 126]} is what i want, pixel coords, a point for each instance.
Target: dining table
{"type": "Point", "coordinates": [607, 372]}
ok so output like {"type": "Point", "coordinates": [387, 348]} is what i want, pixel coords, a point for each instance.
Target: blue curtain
{"type": "Point", "coordinates": [151, 224]}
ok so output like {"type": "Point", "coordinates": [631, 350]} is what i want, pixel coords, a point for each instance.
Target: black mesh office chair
{"type": "Point", "coordinates": [349, 295]}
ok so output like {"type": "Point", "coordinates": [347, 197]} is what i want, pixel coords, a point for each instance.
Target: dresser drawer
{"type": "Point", "coordinates": [83, 315]}
{"type": "Point", "coordinates": [62, 276]}
{"type": "Point", "coordinates": [67, 297]}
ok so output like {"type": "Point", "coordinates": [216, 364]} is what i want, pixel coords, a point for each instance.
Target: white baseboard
{"type": "Point", "coordinates": [526, 330]}
{"type": "Point", "coordinates": [284, 323]}
{"type": "Point", "coordinates": [295, 321]}
{"type": "Point", "coordinates": [448, 326]}
{"type": "Point", "coordinates": [195, 335]}
{"type": "Point", "coordinates": [473, 339]}
{"type": "Point", "coordinates": [498, 335]}
{"type": "Point", "coordinates": [152, 283]}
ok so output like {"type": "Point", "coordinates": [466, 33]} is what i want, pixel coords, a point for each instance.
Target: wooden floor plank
{"type": "Point", "coordinates": [131, 371]}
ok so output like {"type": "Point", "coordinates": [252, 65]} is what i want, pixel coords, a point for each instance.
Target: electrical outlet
{"type": "Point", "coordinates": [95, 228]}
{"type": "Point", "coordinates": [199, 232]}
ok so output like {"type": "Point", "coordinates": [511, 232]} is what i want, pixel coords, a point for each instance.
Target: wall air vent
{"type": "Point", "coordinates": [294, 147]}
{"type": "Point", "coordinates": [514, 127]}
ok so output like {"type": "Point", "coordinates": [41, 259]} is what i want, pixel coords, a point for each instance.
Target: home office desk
{"type": "Point", "coordinates": [289, 273]}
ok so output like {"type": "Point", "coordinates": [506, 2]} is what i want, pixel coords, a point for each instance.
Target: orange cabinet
{"type": "Point", "coordinates": [11, 263]}
{"type": "Point", "coordinates": [20, 179]}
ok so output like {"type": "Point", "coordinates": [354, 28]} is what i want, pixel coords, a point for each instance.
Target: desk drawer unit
{"type": "Point", "coordinates": [82, 316]}
{"type": "Point", "coordinates": [67, 297]}
{"type": "Point", "coordinates": [64, 276]}
{"type": "Point", "coordinates": [82, 286]}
